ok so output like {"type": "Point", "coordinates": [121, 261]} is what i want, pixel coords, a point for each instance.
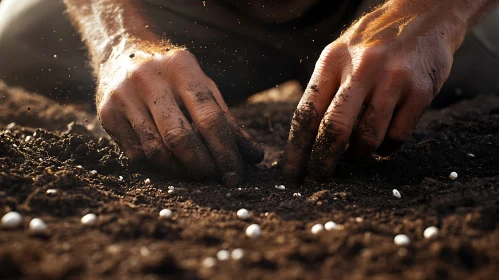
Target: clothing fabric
{"type": "Point", "coordinates": [41, 51]}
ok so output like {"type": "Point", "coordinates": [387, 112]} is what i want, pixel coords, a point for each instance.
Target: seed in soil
{"type": "Point", "coordinates": [396, 193]}
{"type": "Point", "coordinates": [165, 214]}
{"type": "Point", "coordinates": [470, 155]}
{"type": "Point", "coordinates": [79, 167]}
{"type": "Point", "coordinates": [329, 226]}
{"type": "Point", "coordinates": [171, 191]}
{"type": "Point", "coordinates": [93, 172]}
{"type": "Point", "coordinates": [317, 228]}
{"type": "Point", "coordinates": [147, 181]}
{"type": "Point", "coordinates": [223, 255]}
{"type": "Point", "coordinates": [89, 219]}
{"type": "Point", "coordinates": [253, 231]}
{"type": "Point", "coordinates": [120, 178]}
{"type": "Point", "coordinates": [209, 262]}
{"type": "Point", "coordinates": [430, 232]}
{"type": "Point", "coordinates": [280, 187]}
{"type": "Point", "coordinates": [297, 195]}
{"type": "Point", "coordinates": [243, 214]}
{"type": "Point", "coordinates": [11, 220]}
{"type": "Point", "coordinates": [37, 225]}
{"type": "Point", "coordinates": [51, 192]}
{"type": "Point", "coordinates": [453, 176]}
{"type": "Point", "coordinates": [237, 254]}
{"type": "Point", "coordinates": [402, 240]}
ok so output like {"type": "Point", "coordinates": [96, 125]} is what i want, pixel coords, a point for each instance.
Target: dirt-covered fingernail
{"type": "Point", "coordinates": [231, 179]}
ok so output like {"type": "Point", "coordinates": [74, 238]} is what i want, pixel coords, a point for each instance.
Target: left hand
{"type": "Point", "coordinates": [369, 89]}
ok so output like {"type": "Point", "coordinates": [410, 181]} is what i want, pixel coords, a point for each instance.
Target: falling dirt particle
{"type": "Point", "coordinates": [132, 55]}
{"type": "Point", "coordinates": [29, 108]}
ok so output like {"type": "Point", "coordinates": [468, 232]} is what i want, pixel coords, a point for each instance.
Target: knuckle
{"type": "Point", "coordinates": [334, 124]}
{"type": "Point", "coordinates": [180, 57]}
{"type": "Point", "coordinates": [369, 139]}
{"type": "Point", "coordinates": [304, 116]}
{"type": "Point", "coordinates": [153, 151]}
{"type": "Point", "coordinates": [176, 136]}
{"type": "Point", "coordinates": [142, 71]}
{"type": "Point", "coordinates": [329, 57]}
{"type": "Point", "coordinates": [209, 116]}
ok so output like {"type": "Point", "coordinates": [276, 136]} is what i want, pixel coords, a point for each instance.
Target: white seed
{"type": "Point", "coordinates": [89, 219]}
{"type": "Point", "coordinates": [329, 226]}
{"type": "Point", "coordinates": [223, 255]}
{"type": "Point", "coordinates": [209, 262]}
{"type": "Point", "coordinates": [280, 187]}
{"type": "Point", "coordinates": [147, 181]}
{"type": "Point", "coordinates": [317, 228]}
{"type": "Point", "coordinates": [237, 254]}
{"type": "Point", "coordinates": [430, 232]}
{"type": "Point", "coordinates": [93, 172]}
{"type": "Point", "coordinates": [297, 195]}
{"type": "Point", "coordinates": [11, 220]}
{"type": "Point", "coordinates": [165, 213]}
{"type": "Point", "coordinates": [11, 125]}
{"type": "Point", "coordinates": [470, 155]}
{"type": "Point", "coordinates": [172, 188]}
{"type": "Point", "coordinates": [79, 167]}
{"type": "Point", "coordinates": [359, 219]}
{"type": "Point", "coordinates": [171, 191]}
{"type": "Point", "coordinates": [402, 240]}
{"type": "Point", "coordinates": [51, 191]}
{"type": "Point", "coordinates": [253, 231]}
{"type": "Point", "coordinates": [396, 193]}
{"type": "Point", "coordinates": [28, 138]}
{"type": "Point", "coordinates": [243, 214]}
{"type": "Point", "coordinates": [120, 178]}
{"type": "Point", "coordinates": [37, 225]}
{"type": "Point", "coordinates": [453, 176]}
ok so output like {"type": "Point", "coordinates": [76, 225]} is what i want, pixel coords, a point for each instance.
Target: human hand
{"type": "Point", "coordinates": [140, 91]}
{"type": "Point", "coordinates": [369, 89]}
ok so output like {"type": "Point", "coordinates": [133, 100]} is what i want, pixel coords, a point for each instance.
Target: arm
{"type": "Point", "coordinates": [141, 80]}
{"type": "Point", "coordinates": [370, 87]}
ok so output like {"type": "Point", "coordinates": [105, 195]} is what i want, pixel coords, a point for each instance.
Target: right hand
{"type": "Point", "coordinates": [140, 91]}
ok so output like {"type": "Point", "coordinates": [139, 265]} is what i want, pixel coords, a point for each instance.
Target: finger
{"type": "Point", "coordinates": [250, 150]}
{"type": "Point", "coordinates": [211, 122]}
{"type": "Point", "coordinates": [375, 120]}
{"type": "Point", "coordinates": [120, 129]}
{"type": "Point", "coordinates": [176, 132]}
{"type": "Point", "coordinates": [335, 129]}
{"type": "Point", "coordinates": [152, 143]}
{"type": "Point", "coordinates": [307, 117]}
{"type": "Point", "coordinates": [406, 118]}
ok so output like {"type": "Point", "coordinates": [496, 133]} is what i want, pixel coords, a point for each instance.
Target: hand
{"type": "Point", "coordinates": [141, 89]}
{"type": "Point", "coordinates": [368, 90]}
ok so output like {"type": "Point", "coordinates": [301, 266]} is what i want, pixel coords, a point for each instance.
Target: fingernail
{"type": "Point", "coordinates": [231, 179]}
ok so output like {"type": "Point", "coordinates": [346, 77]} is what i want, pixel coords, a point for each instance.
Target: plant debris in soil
{"type": "Point", "coordinates": [129, 240]}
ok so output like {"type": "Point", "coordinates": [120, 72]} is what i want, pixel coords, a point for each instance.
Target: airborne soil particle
{"type": "Point", "coordinates": [130, 242]}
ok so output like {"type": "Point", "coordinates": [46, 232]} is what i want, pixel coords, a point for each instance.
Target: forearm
{"type": "Point", "coordinates": [455, 17]}
{"type": "Point", "coordinates": [108, 24]}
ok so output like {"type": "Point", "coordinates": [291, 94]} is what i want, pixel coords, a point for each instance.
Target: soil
{"type": "Point", "coordinates": [129, 241]}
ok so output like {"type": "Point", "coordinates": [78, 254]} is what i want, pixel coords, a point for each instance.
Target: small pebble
{"type": "Point", "coordinates": [430, 232]}
{"type": "Point", "coordinates": [280, 187]}
{"type": "Point", "coordinates": [402, 240]}
{"type": "Point", "coordinates": [253, 231]}
{"type": "Point", "coordinates": [165, 213]}
{"type": "Point", "coordinates": [237, 254]}
{"type": "Point", "coordinates": [37, 225]}
{"type": "Point", "coordinates": [147, 181]}
{"type": "Point", "coordinates": [243, 214]}
{"type": "Point", "coordinates": [11, 125]}
{"type": "Point", "coordinates": [317, 228]}
{"type": "Point", "coordinates": [89, 219]}
{"type": "Point", "coordinates": [396, 193]}
{"type": "Point", "coordinates": [209, 262]}
{"type": "Point", "coordinates": [11, 220]}
{"type": "Point", "coordinates": [93, 172]}
{"type": "Point", "coordinates": [223, 255]}
{"type": "Point", "coordinates": [329, 226]}
{"type": "Point", "coordinates": [28, 138]}
{"type": "Point", "coordinates": [453, 176]}
{"type": "Point", "coordinates": [359, 219]}
{"type": "Point", "coordinates": [51, 191]}
{"type": "Point", "coordinates": [297, 195]}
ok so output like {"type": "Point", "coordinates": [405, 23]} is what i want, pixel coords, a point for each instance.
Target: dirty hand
{"type": "Point", "coordinates": [140, 93]}
{"type": "Point", "coordinates": [369, 89]}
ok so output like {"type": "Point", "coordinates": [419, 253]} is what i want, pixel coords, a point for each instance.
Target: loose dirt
{"type": "Point", "coordinates": [40, 152]}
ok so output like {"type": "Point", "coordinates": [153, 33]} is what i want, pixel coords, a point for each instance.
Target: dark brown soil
{"type": "Point", "coordinates": [130, 242]}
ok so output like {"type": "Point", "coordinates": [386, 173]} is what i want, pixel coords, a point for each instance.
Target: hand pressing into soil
{"type": "Point", "coordinates": [140, 94]}
{"type": "Point", "coordinates": [370, 87]}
